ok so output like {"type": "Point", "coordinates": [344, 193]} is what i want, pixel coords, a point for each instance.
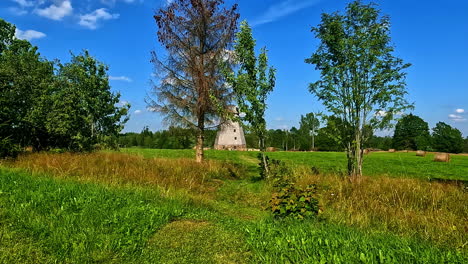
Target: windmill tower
{"type": "Point", "coordinates": [231, 135]}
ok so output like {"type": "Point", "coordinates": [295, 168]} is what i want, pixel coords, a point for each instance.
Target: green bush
{"type": "Point", "coordinates": [278, 171]}
{"type": "Point", "coordinates": [8, 148]}
{"type": "Point", "coordinates": [295, 202]}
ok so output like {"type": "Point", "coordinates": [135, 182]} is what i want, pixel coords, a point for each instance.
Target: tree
{"type": "Point", "coordinates": [465, 148]}
{"type": "Point", "coordinates": [310, 124]}
{"type": "Point", "coordinates": [411, 132]}
{"type": "Point", "coordinates": [252, 83]}
{"type": "Point", "coordinates": [191, 90]}
{"type": "Point", "coordinates": [83, 112]}
{"type": "Point", "coordinates": [361, 82]}
{"type": "Point", "coordinates": [25, 79]}
{"type": "Point", "coordinates": [447, 139]}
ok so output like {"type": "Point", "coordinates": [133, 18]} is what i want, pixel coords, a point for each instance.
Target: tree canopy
{"type": "Point", "coordinates": [361, 82]}
{"type": "Point", "coordinates": [191, 90]}
{"type": "Point", "coordinates": [447, 139]}
{"type": "Point", "coordinates": [411, 133]}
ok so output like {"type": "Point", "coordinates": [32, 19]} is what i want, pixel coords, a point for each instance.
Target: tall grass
{"type": "Point", "coordinates": [117, 168]}
{"type": "Point", "coordinates": [432, 211]}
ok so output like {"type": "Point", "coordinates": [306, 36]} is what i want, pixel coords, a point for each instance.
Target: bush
{"type": "Point", "coordinates": [293, 201]}
{"type": "Point", "coordinates": [8, 148]}
{"type": "Point", "coordinates": [278, 171]}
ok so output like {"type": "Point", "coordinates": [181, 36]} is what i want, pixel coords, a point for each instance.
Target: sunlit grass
{"type": "Point", "coordinates": [162, 207]}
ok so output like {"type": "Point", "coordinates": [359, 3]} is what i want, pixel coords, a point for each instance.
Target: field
{"type": "Point", "coordinates": [159, 206]}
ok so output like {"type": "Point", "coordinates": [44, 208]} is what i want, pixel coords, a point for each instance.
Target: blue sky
{"type": "Point", "coordinates": [431, 34]}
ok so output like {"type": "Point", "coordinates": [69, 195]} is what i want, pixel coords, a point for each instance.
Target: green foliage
{"type": "Point", "coordinates": [447, 139]}
{"type": "Point", "coordinates": [309, 125]}
{"type": "Point", "coordinates": [383, 143]}
{"type": "Point", "coordinates": [362, 82]}
{"type": "Point", "coordinates": [411, 133]}
{"type": "Point", "coordinates": [295, 202]}
{"type": "Point", "coordinates": [251, 83]}
{"type": "Point", "coordinates": [25, 79]}
{"type": "Point", "coordinates": [8, 148]}
{"type": "Point", "coordinates": [172, 138]}
{"type": "Point", "coordinates": [465, 146]}
{"type": "Point", "coordinates": [321, 242]}
{"type": "Point", "coordinates": [84, 109]}
{"type": "Point", "coordinates": [72, 109]}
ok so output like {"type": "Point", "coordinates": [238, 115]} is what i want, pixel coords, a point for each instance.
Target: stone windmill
{"type": "Point", "coordinates": [231, 135]}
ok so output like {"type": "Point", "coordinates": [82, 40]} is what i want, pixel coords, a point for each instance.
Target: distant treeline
{"type": "Point", "coordinates": [411, 133]}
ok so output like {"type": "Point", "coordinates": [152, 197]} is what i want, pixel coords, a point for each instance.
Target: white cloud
{"type": "Point", "coordinates": [24, 3]}
{"type": "Point", "coordinates": [282, 9]}
{"type": "Point", "coordinates": [112, 2]}
{"type": "Point", "coordinates": [56, 12]}
{"type": "Point", "coordinates": [457, 118]}
{"type": "Point", "coordinates": [29, 34]}
{"type": "Point", "coordinates": [137, 112]}
{"type": "Point", "coordinates": [123, 103]}
{"type": "Point", "coordinates": [460, 111]}
{"type": "Point", "coordinates": [381, 113]}
{"type": "Point", "coordinates": [152, 109]}
{"type": "Point", "coordinates": [92, 19]}
{"type": "Point", "coordinates": [120, 78]}
{"type": "Point", "coordinates": [17, 11]}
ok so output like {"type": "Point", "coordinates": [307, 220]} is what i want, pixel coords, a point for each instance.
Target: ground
{"type": "Point", "coordinates": [159, 206]}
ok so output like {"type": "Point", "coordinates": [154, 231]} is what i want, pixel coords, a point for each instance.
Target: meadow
{"type": "Point", "coordinates": [159, 206]}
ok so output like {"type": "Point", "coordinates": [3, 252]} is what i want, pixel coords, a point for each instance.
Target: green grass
{"type": "Point", "coordinates": [404, 165]}
{"type": "Point", "coordinates": [45, 220]}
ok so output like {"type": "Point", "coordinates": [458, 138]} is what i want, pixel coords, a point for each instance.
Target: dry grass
{"type": "Point", "coordinates": [430, 210]}
{"type": "Point", "coordinates": [117, 168]}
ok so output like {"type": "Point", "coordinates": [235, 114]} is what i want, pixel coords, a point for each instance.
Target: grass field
{"type": "Point", "coordinates": [405, 165]}
{"type": "Point", "coordinates": [158, 206]}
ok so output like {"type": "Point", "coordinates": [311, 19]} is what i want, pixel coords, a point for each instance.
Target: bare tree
{"type": "Point", "coordinates": [191, 90]}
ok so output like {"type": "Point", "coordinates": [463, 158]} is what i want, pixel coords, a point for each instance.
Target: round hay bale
{"type": "Point", "coordinates": [391, 150]}
{"type": "Point", "coordinates": [421, 153]}
{"type": "Point", "coordinates": [271, 149]}
{"type": "Point", "coordinates": [442, 157]}
{"type": "Point", "coordinates": [365, 151]}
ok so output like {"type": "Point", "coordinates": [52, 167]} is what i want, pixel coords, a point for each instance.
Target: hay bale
{"type": "Point", "coordinates": [421, 153]}
{"type": "Point", "coordinates": [366, 151]}
{"type": "Point", "coordinates": [391, 150]}
{"type": "Point", "coordinates": [442, 157]}
{"type": "Point", "coordinates": [271, 149]}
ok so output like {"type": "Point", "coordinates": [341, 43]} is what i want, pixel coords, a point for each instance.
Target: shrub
{"type": "Point", "coordinates": [278, 171]}
{"type": "Point", "coordinates": [8, 148]}
{"type": "Point", "coordinates": [293, 201]}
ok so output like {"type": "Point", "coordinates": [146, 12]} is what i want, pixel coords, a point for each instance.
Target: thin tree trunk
{"type": "Point", "coordinates": [199, 147]}
{"type": "Point", "coordinates": [355, 155]}
{"type": "Point", "coordinates": [265, 165]}
{"type": "Point", "coordinates": [199, 155]}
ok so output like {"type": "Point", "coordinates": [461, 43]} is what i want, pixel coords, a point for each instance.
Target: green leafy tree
{"type": "Point", "coordinates": [309, 125]}
{"type": "Point", "coordinates": [252, 83]}
{"type": "Point", "coordinates": [83, 111]}
{"type": "Point", "coordinates": [25, 80]}
{"type": "Point", "coordinates": [465, 148]}
{"type": "Point", "coordinates": [412, 133]}
{"type": "Point", "coordinates": [361, 82]}
{"type": "Point", "coordinates": [447, 139]}
{"type": "Point", "coordinates": [191, 90]}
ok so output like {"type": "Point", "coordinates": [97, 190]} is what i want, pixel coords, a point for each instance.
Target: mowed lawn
{"type": "Point", "coordinates": [159, 206]}
{"type": "Point", "coordinates": [400, 164]}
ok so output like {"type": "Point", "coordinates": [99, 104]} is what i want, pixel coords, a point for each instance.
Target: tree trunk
{"type": "Point", "coordinates": [355, 155]}
{"type": "Point", "coordinates": [265, 165]}
{"type": "Point", "coordinates": [313, 141]}
{"type": "Point", "coordinates": [199, 155]}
